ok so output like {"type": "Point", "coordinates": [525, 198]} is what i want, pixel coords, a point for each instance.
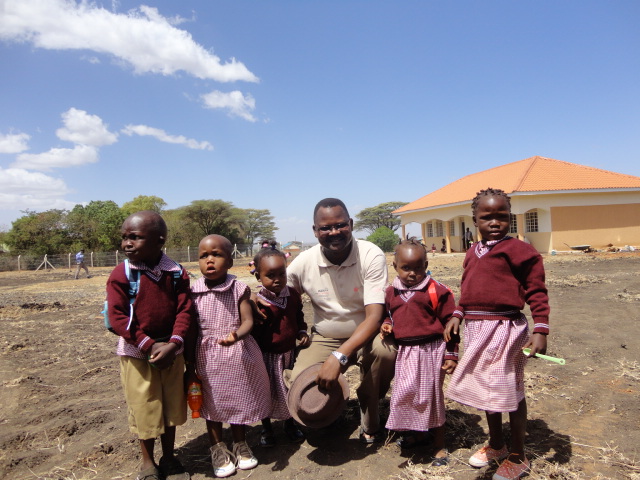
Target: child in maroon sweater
{"type": "Point", "coordinates": [501, 273]}
{"type": "Point", "coordinates": [151, 341]}
{"type": "Point", "coordinates": [276, 335]}
{"type": "Point", "coordinates": [418, 308]}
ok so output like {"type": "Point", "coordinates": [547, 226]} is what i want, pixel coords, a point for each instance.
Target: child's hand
{"type": "Point", "coordinates": [162, 354]}
{"type": "Point", "coordinates": [385, 329]}
{"type": "Point", "coordinates": [452, 329]}
{"type": "Point", "coordinates": [449, 366]}
{"type": "Point", "coordinates": [537, 343]}
{"type": "Point", "coordinates": [230, 340]}
{"type": "Point", "coordinates": [304, 339]}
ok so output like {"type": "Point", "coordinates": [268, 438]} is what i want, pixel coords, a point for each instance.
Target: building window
{"type": "Point", "coordinates": [513, 228]}
{"type": "Point", "coordinates": [439, 229]}
{"type": "Point", "coordinates": [429, 229]}
{"type": "Point", "coordinates": [531, 221]}
{"type": "Point", "coordinates": [452, 229]}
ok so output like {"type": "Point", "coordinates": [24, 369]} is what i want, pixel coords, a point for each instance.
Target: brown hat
{"type": "Point", "coordinates": [313, 406]}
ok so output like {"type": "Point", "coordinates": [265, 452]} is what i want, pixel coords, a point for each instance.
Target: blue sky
{"type": "Point", "coordinates": [277, 104]}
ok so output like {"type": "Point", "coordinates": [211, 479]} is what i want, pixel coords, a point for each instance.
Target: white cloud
{"type": "Point", "coordinates": [84, 129]}
{"type": "Point", "coordinates": [57, 158]}
{"type": "Point", "coordinates": [235, 102]}
{"type": "Point", "coordinates": [142, 37]}
{"type": "Point", "coordinates": [22, 189]}
{"type": "Point", "coordinates": [14, 142]}
{"type": "Point", "coordinates": [144, 130]}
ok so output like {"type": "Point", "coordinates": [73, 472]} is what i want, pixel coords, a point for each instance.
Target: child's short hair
{"type": "Point", "coordinates": [489, 192]}
{"type": "Point", "coordinates": [264, 253]}
{"type": "Point", "coordinates": [410, 242]}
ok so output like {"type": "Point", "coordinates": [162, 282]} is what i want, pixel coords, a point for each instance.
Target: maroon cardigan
{"type": "Point", "coordinates": [278, 333]}
{"type": "Point", "coordinates": [161, 311]}
{"type": "Point", "coordinates": [501, 281]}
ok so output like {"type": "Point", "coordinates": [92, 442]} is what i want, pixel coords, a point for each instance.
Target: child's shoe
{"type": "Point", "coordinates": [244, 456]}
{"type": "Point", "coordinates": [223, 461]}
{"type": "Point", "coordinates": [509, 470]}
{"type": "Point", "coordinates": [486, 454]}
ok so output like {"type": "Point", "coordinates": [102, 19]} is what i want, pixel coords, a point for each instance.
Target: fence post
{"type": "Point", "coordinates": [19, 262]}
{"type": "Point", "coordinates": [188, 254]}
{"type": "Point", "coordinates": [91, 259]}
{"type": "Point", "coordinates": [117, 258]}
{"type": "Point", "coordinates": [69, 262]}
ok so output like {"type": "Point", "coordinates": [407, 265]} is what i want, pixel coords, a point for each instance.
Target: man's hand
{"type": "Point", "coordinates": [163, 354]}
{"type": "Point", "coordinates": [329, 373]}
{"type": "Point", "coordinates": [256, 302]}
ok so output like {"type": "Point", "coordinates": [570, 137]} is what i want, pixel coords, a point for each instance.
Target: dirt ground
{"type": "Point", "coordinates": [62, 413]}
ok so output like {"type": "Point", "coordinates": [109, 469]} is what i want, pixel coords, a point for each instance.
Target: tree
{"type": "Point", "coordinates": [143, 202]}
{"type": "Point", "coordinates": [370, 219]}
{"type": "Point", "coordinates": [96, 226]}
{"type": "Point", "coordinates": [40, 233]}
{"type": "Point", "coordinates": [214, 216]}
{"type": "Point", "coordinates": [384, 238]}
{"type": "Point", "coordinates": [257, 224]}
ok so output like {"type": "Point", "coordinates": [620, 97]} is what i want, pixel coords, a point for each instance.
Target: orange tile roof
{"type": "Point", "coordinates": [535, 174]}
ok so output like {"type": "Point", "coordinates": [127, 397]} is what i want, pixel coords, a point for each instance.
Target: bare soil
{"type": "Point", "coordinates": [62, 413]}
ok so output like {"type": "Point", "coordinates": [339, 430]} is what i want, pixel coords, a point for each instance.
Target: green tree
{"type": "Point", "coordinates": [385, 238]}
{"type": "Point", "coordinates": [96, 226]}
{"type": "Point", "coordinates": [143, 202]}
{"type": "Point", "coordinates": [370, 219]}
{"type": "Point", "coordinates": [214, 216]}
{"type": "Point", "coordinates": [257, 224]}
{"type": "Point", "coordinates": [40, 233]}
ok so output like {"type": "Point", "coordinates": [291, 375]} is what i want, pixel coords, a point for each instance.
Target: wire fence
{"type": "Point", "coordinates": [111, 259]}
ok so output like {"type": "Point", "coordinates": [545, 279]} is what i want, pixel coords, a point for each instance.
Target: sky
{"type": "Point", "coordinates": [278, 104]}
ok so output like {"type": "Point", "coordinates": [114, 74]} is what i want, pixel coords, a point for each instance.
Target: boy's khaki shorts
{"type": "Point", "coordinates": [155, 398]}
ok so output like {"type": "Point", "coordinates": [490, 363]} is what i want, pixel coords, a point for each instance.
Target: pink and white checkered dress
{"type": "Point", "coordinates": [276, 363]}
{"type": "Point", "coordinates": [417, 399]}
{"type": "Point", "coordinates": [490, 375]}
{"type": "Point", "coordinates": [235, 385]}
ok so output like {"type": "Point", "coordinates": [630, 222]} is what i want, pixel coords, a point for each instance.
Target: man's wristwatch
{"type": "Point", "coordinates": [342, 358]}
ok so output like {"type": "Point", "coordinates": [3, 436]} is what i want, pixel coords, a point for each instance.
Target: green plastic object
{"type": "Point", "coordinates": [559, 361]}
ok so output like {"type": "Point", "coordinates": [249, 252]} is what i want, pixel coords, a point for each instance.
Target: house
{"type": "Point", "coordinates": [554, 205]}
{"type": "Point", "coordinates": [292, 247]}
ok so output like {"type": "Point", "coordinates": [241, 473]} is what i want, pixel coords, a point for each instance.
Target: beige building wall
{"type": "Point", "coordinates": [595, 225]}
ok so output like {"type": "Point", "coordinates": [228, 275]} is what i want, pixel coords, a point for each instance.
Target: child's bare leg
{"type": "Point", "coordinates": [518, 422]}
{"type": "Point", "coordinates": [214, 429]}
{"type": "Point", "coordinates": [439, 450]}
{"type": "Point", "coordinates": [167, 440]}
{"type": "Point", "coordinates": [238, 433]}
{"type": "Point", "coordinates": [496, 437]}
{"type": "Point", "coordinates": [146, 447]}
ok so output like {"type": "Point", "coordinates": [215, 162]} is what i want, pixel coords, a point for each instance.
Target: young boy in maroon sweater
{"type": "Point", "coordinates": [151, 341]}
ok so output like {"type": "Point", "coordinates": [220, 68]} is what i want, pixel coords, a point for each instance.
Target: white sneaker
{"type": "Point", "coordinates": [223, 461]}
{"type": "Point", "coordinates": [244, 456]}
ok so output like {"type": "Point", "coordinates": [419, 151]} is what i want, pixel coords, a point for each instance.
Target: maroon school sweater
{"type": "Point", "coordinates": [278, 333]}
{"type": "Point", "coordinates": [501, 281]}
{"type": "Point", "coordinates": [161, 311]}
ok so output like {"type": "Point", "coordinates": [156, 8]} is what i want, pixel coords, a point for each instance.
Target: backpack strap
{"type": "Point", "coordinates": [134, 287]}
{"type": "Point", "coordinates": [433, 295]}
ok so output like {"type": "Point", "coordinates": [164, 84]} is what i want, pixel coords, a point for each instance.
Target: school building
{"type": "Point", "coordinates": [554, 205]}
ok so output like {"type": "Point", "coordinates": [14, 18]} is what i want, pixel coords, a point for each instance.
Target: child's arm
{"type": "Point", "coordinates": [451, 329]}
{"type": "Point", "coordinates": [537, 343]}
{"type": "Point", "coordinates": [246, 321]}
{"type": "Point", "coordinates": [449, 366]}
{"type": "Point", "coordinates": [303, 336]}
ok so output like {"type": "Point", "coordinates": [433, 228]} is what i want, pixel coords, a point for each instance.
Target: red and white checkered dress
{"type": "Point", "coordinates": [235, 385]}
{"type": "Point", "coordinates": [490, 375]}
{"type": "Point", "coordinates": [276, 363]}
{"type": "Point", "coordinates": [417, 399]}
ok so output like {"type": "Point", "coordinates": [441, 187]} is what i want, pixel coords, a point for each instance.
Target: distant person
{"type": "Point", "coordinates": [151, 341]}
{"type": "Point", "coordinates": [276, 337]}
{"type": "Point", "coordinates": [80, 264]}
{"type": "Point", "coordinates": [433, 249]}
{"type": "Point", "coordinates": [418, 309]}
{"type": "Point", "coordinates": [443, 248]}
{"type": "Point", "coordinates": [468, 239]}
{"type": "Point", "coordinates": [345, 279]}
{"type": "Point", "coordinates": [235, 385]}
{"type": "Point", "coordinates": [490, 376]}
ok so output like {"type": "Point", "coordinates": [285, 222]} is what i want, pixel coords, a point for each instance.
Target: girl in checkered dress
{"type": "Point", "coordinates": [501, 273]}
{"type": "Point", "coordinates": [418, 309]}
{"type": "Point", "coordinates": [276, 336]}
{"type": "Point", "coordinates": [235, 385]}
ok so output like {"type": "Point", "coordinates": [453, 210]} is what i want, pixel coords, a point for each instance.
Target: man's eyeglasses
{"type": "Point", "coordinates": [329, 228]}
